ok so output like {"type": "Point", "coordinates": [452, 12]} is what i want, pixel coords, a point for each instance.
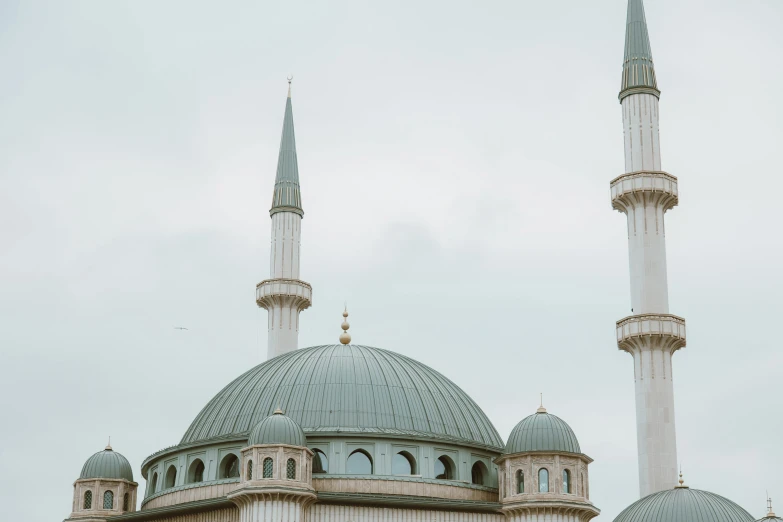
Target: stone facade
{"type": "Point", "coordinates": [101, 498]}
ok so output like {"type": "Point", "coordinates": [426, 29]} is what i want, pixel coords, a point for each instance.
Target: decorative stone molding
{"type": "Point", "coordinates": [642, 188]}
{"type": "Point", "coordinates": [651, 331]}
{"type": "Point", "coordinates": [270, 292]}
{"type": "Point", "coordinates": [391, 485]}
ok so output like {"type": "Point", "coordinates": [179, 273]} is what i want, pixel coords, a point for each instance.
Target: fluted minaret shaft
{"type": "Point", "coordinates": [644, 193]}
{"type": "Point", "coordinates": [284, 295]}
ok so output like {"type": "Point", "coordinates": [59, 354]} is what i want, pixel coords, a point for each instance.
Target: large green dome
{"type": "Point", "coordinates": [542, 432]}
{"type": "Point", "coordinates": [107, 464]}
{"type": "Point", "coordinates": [347, 389]}
{"type": "Point", "coordinates": [684, 504]}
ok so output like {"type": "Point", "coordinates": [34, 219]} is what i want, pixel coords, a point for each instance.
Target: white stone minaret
{"type": "Point", "coordinates": [284, 295]}
{"type": "Point", "coordinates": [644, 193]}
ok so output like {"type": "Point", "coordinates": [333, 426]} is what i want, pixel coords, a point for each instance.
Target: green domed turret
{"type": "Point", "coordinates": [542, 432]}
{"type": "Point", "coordinates": [107, 464]}
{"type": "Point", "coordinates": [683, 504]}
{"type": "Point", "coordinates": [277, 429]}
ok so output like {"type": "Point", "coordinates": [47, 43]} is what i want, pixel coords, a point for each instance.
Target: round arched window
{"type": "Point", "coordinates": [268, 467]}
{"type": "Point", "coordinates": [520, 481]}
{"type": "Point", "coordinates": [87, 500]}
{"type": "Point", "coordinates": [543, 480]}
{"type": "Point", "coordinates": [359, 463]}
{"type": "Point", "coordinates": [320, 462]}
{"type": "Point", "coordinates": [566, 481]}
{"type": "Point", "coordinates": [444, 468]}
{"type": "Point", "coordinates": [108, 500]}
{"type": "Point", "coordinates": [403, 463]}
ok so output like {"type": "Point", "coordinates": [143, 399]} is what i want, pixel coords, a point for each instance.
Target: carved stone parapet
{"type": "Point", "coordinates": [648, 331]}
{"type": "Point", "coordinates": [644, 188]}
{"type": "Point", "coordinates": [272, 291]}
{"type": "Point", "coordinates": [551, 510]}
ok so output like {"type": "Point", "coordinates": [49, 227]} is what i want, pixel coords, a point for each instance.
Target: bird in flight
{"type": "Point", "coordinates": [180, 328]}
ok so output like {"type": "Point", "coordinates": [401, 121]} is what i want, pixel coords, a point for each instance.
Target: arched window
{"type": "Point", "coordinates": [196, 472]}
{"type": "Point", "coordinates": [543, 480]}
{"type": "Point", "coordinates": [154, 483]}
{"type": "Point", "coordinates": [229, 468]}
{"type": "Point", "coordinates": [249, 470]}
{"type": "Point", "coordinates": [108, 500]}
{"type": "Point", "coordinates": [87, 500]}
{"type": "Point", "coordinates": [520, 481]}
{"type": "Point", "coordinates": [403, 463]}
{"type": "Point", "coordinates": [478, 473]}
{"type": "Point", "coordinates": [320, 462]}
{"type": "Point", "coordinates": [267, 468]}
{"type": "Point", "coordinates": [290, 469]}
{"type": "Point", "coordinates": [125, 502]}
{"type": "Point", "coordinates": [359, 463]}
{"type": "Point", "coordinates": [444, 468]}
{"type": "Point", "coordinates": [566, 481]}
{"type": "Point", "coordinates": [171, 477]}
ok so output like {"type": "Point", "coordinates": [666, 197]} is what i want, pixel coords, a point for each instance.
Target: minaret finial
{"type": "Point", "coordinates": [345, 337]}
{"type": "Point", "coordinates": [541, 408]}
{"type": "Point", "coordinates": [108, 446]}
{"type": "Point", "coordinates": [290, 79]}
{"type": "Point", "coordinates": [770, 513]}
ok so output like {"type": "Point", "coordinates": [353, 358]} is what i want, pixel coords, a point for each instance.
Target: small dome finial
{"type": "Point", "coordinates": [108, 445]}
{"type": "Point", "coordinates": [541, 408]}
{"type": "Point", "coordinates": [681, 481]}
{"type": "Point", "coordinates": [770, 513]}
{"type": "Point", "coordinates": [278, 411]}
{"type": "Point", "coordinates": [345, 337]}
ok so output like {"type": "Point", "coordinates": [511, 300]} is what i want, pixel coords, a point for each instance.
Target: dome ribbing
{"type": "Point", "coordinates": [542, 432]}
{"type": "Point", "coordinates": [277, 429]}
{"type": "Point", "coordinates": [107, 464]}
{"type": "Point", "coordinates": [684, 504]}
{"type": "Point", "coordinates": [347, 389]}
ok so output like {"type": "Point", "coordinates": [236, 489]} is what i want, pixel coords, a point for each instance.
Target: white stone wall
{"type": "Point", "coordinates": [284, 250]}
{"type": "Point", "coordinates": [332, 513]}
{"type": "Point", "coordinates": [271, 510]}
{"type": "Point", "coordinates": [640, 130]}
{"type": "Point", "coordinates": [655, 430]}
{"type": "Point", "coordinates": [283, 315]}
{"type": "Point", "coordinates": [544, 515]}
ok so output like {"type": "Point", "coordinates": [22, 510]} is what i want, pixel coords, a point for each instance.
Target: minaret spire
{"type": "Point", "coordinates": [638, 69]}
{"type": "Point", "coordinates": [645, 193]}
{"type": "Point", "coordinates": [284, 295]}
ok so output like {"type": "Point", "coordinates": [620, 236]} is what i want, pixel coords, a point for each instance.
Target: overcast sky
{"type": "Point", "coordinates": [455, 160]}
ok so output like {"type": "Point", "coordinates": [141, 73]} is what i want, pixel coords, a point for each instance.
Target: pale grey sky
{"type": "Point", "coordinates": [455, 160]}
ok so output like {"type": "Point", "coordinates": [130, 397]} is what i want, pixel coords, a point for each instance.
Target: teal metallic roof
{"type": "Point", "coordinates": [542, 432]}
{"type": "Point", "coordinates": [638, 70]}
{"type": "Point", "coordinates": [684, 505]}
{"type": "Point", "coordinates": [770, 518]}
{"type": "Point", "coordinates": [277, 429]}
{"type": "Point", "coordinates": [107, 464]}
{"type": "Point", "coordinates": [348, 389]}
{"type": "Point", "coordinates": [287, 197]}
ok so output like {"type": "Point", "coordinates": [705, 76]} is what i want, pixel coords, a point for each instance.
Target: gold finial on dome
{"type": "Point", "coordinates": [681, 481]}
{"type": "Point", "coordinates": [278, 411]}
{"type": "Point", "coordinates": [541, 408]}
{"type": "Point", "coordinates": [345, 337]}
{"type": "Point", "coordinates": [108, 445]}
{"type": "Point", "coordinates": [770, 513]}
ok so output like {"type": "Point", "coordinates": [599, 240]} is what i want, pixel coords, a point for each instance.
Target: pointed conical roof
{"type": "Point", "coordinates": [638, 69]}
{"type": "Point", "coordinates": [287, 197]}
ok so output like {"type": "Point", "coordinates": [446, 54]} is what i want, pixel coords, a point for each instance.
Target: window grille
{"type": "Point", "coordinates": [250, 470]}
{"type": "Point", "coordinates": [267, 468]}
{"type": "Point", "coordinates": [125, 501]}
{"type": "Point", "coordinates": [88, 499]}
{"type": "Point", "coordinates": [108, 500]}
{"type": "Point", "coordinates": [520, 482]}
{"type": "Point", "coordinates": [291, 469]}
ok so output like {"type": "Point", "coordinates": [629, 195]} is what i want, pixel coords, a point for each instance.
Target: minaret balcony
{"type": "Point", "coordinates": [270, 291]}
{"type": "Point", "coordinates": [644, 187]}
{"type": "Point", "coordinates": [667, 328]}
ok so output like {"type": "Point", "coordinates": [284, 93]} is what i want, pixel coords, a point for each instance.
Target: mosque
{"type": "Point", "coordinates": [351, 433]}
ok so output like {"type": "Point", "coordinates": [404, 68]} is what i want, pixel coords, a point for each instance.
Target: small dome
{"type": "Point", "coordinates": [107, 464]}
{"type": "Point", "coordinates": [683, 504]}
{"type": "Point", "coordinates": [542, 432]}
{"type": "Point", "coordinates": [770, 518]}
{"type": "Point", "coordinates": [277, 429]}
